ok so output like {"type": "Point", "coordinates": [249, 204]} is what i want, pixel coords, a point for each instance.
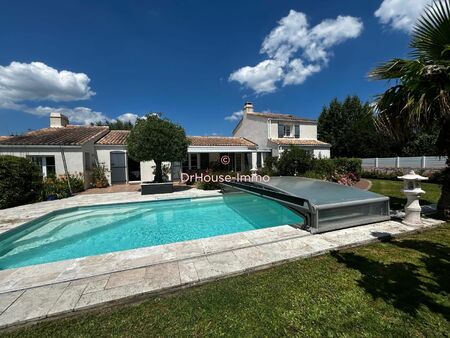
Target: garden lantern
{"type": "Point", "coordinates": [413, 190]}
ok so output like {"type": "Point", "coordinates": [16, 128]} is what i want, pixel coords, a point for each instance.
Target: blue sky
{"type": "Point", "coordinates": [195, 61]}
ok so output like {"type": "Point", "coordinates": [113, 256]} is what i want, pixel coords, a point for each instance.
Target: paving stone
{"type": "Point", "coordinates": [99, 297]}
{"type": "Point", "coordinates": [204, 268]}
{"type": "Point", "coordinates": [32, 304]}
{"type": "Point", "coordinates": [85, 281]}
{"type": "Point", "coordinates": [69, 298]}
{"type": "Point", "coordinates": [36, 280]}
{"type": "Point", "coordinates": [225, 262]}
{"type": "Point", "coordinates": [125, 278]}
{"type": "Point", "coordinates": [96, 285]}
{"type": "Point", "coordinates": [274, 252]}
{"type": "Point", "coordinates": [162, 276]}
{"type": "Point", "coordinates": [6, 299]}
{"type": "Point", "coordinates": [251, 257]}
{"type": "Point", "coordinates": [222, 243]}
{"type": "Point", "coordinates": [183, 250]}
{"type": "Point", "coordinates": [188, 273]}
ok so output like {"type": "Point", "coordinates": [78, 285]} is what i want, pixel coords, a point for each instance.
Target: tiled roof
{"type": "Point", "coordinates": [4, 137]}
{"type": "Point", "coordinates": [300, 142]}
{"type": "Point", "coordinates": [281, 117]}
{"type": "Point", "coordinates": [69, 135]}
{"type": "Point", "coordinates": [220, 141]}
{"type": "Point", "coordinates": [115, 137]}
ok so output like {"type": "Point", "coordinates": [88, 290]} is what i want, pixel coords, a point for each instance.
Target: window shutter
{"type": "Point", "coordinates": [280, 130]}
{"type": "Point", "coordinates": [297, 131]}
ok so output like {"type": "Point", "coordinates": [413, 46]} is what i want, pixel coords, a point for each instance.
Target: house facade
{"type": "Point", "coordinates": [65, 149]}
{"type": "Point", "coordinates": [273, 133]}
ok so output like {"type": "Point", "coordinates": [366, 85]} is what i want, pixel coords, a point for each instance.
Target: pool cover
{"type": "Point", "coordinates": [326, 206]}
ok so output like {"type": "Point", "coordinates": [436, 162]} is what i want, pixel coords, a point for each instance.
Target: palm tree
{"type": "Point", "coordinates": [420, 96]}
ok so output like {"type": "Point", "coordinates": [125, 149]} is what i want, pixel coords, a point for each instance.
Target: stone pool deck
{"type": "Point", "coordinates": [57, 289]}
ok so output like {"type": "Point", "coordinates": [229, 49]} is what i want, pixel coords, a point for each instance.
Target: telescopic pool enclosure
{"type": "Point", "coordinates": [324, 205]}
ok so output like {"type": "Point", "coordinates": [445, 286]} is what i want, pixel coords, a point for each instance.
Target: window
{"type": "Point", "coordinates": [204, 161]}
{"type": "Point", "coordinates": [297, 131]}
{"type": "Point", "coordinates": [258, 160]}
{"type": "Point", "coordinates": [46, 164]}
{"type": "Point", "coordinates": [284, 130]}
{"type": "Point", "coordinates": [193, 161]}
{"type": "Point", "coordinates": [287, 130]}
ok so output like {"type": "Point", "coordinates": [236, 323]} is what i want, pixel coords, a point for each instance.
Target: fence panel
{"type": "Point", "coordinates": [416, 162]}
{"type": "Point", "coordinates": [387, 162]}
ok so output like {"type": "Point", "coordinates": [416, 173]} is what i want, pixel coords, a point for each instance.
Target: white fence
{"type": "Point", "coordinates": [422, 162]}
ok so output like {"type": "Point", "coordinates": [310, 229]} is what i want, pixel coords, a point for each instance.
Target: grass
{"type": "Point", "coordinates": [393, 190]}
{"type": "Point", "coordinates": [395, 288]}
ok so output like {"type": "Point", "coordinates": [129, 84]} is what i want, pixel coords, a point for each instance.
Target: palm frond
{"type": "Point", "coordinates": [395, 69]}
{"type": "Point", "coordinates": [431, 34]}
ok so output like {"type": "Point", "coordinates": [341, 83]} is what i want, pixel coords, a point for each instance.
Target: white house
{"type": "Point", "coordinates": [273, 133]}
{"type": "Point", "coordinates": [63, 148]}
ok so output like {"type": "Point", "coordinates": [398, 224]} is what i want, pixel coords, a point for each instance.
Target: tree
{"type": "Point", "coordinates": [115, 125]}
{"type": "Point", "coordinates": [294, 161]}
{"type": "Point", "coordinates": [157, 139]}
{"type": "Point", "coordinates": [420, 95]}
{"type": "Point", "coordinates": [349, 127]}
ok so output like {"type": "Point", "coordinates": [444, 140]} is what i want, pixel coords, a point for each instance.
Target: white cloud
{"type": "Point", "coordinates": [298, 72]}
{"type": "Point", "coordinates": [235, 116]}
{"type": "Point", "coordinates": [21, 83]}
{"type": "Point", "coordinates": [76, 115]}
{"type": "Point", "coordinates": [37, 82]}
{"type": "Point", "coordinates": [128, 117]}
{"type": "Point", "coordinates": [262, 78]}
{"type": "Point", "coordinates": [401, 14]}
{"type": "Point", "coordinates": [296, 51]}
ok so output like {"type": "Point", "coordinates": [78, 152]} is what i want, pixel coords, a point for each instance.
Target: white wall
{"type": "Point", "coordinates": [317, 152]}
{"type": "Point", "coordinates": [255, 129]}
{"type": "Point", "coordinates": [308, 131]}
{"type": "Point", "coordinates": [322, 153]}
{"type": "Point", "coordinates": [104, 156]}
{"type": "Point", "coordinates": [73, 155]}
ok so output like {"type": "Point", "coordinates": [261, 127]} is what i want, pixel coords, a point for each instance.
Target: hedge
{"type": "Point", "coordinates": [20, 181]}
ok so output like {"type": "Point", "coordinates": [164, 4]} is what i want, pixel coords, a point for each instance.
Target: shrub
{"type": "Point", "coordinates": [58, 187]}
{"type": "Point", "coordinates": [270, 166]}
{"type": "Point", "coordinates": [295, 161]}
{"type": "Point", "coordinates": [314, 174]}
{"type": "Point", "coordinates": [324, 167]}
{"type": "Point", "coordinates": [377, 174]}
{"type": "Point", "coordinates": [99, 175]}
{"type": "Point", "coordinates": [346, 165]}
{"type": "Point", "coordinates": [207, 185]}
{"type": "Point", "coordinates": [20, 181]}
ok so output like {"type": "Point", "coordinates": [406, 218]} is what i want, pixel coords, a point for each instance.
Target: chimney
{"type": "Point", "coordinates": [58, 120]}
{"type": "Point", "coordinates": [248, 107]}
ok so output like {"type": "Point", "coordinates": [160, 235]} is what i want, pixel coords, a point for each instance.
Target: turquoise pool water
{"type": "Point", "coordinates": [88, 231]}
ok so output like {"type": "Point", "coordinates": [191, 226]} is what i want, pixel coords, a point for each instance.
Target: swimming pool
{"type": "Point", "coordinates": [94, 230]}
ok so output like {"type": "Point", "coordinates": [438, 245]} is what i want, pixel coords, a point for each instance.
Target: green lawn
{"type": "Point", "coordinates": [399, 288]}
{"type": "Point", "coordinates": [393, 190]}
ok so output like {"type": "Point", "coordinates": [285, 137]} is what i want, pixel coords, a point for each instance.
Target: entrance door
{"type": "Point", "coordinates": [118, 167]}
{"type": "Point", "coordinates": [134, 170]}
{"type": "Point", "coordinates": [176, 171]}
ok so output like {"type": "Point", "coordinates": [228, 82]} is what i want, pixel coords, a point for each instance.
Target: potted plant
{"type": "Point", "coordinates": [160, 140]}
